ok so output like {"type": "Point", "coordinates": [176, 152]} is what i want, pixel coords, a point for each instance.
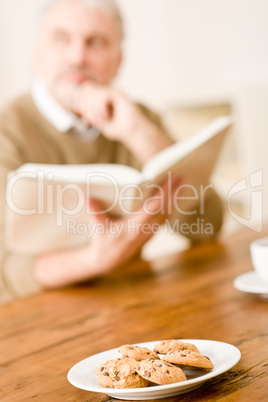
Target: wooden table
{"type": "Point", "coordinates": [186, 295]}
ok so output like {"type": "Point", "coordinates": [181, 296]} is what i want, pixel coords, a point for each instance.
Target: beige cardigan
{"type": "Point", "coordinates": [27, 137]}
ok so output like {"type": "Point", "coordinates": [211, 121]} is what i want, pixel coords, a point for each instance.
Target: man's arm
{"type": "Point", "coordinates": [116, 116]}
{"type": "Point", "coordinates": [106, 251]}
{"type": "Point", "coordinates": [120, 119]}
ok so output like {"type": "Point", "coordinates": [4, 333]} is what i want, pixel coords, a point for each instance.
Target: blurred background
{"type": "Point", "coordinates": [191, 60]}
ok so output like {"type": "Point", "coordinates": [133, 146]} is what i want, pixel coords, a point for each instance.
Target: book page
{"type": "Point", "coordinates": [78, 173]}
{"type": "Point", "coordinates": [170, 156]}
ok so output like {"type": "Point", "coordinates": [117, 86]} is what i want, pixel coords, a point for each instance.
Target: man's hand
{"type": "Point", "coordinates": [119, 119]}
{"type": "Point", "coordinates": [108, 110]}
{"type": "Point", "coordinates": [116, 117]}
{"type": "Point", "coordinates": [124, 238]}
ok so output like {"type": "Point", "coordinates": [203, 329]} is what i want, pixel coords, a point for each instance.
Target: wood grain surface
{"type": "Point", "coordinates": [186, 295]}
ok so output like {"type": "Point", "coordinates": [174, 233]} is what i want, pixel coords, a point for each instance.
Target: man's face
{"type": "Point", "coordinates": [77, 43]}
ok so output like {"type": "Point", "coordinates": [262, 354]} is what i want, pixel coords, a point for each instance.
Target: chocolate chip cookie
{"type": "Point", "coordinates": [121, 373]}
{"type": "Point", "coordinates": [160, 372]}
{"type": "Point", "coordinates": [137, 352]}
{"type": "Point", "coordinates": [188, 358]}
{"type": "Point", "coordinates": [164, 347]}
{"type": "Point", "coordinates": [103, 373]}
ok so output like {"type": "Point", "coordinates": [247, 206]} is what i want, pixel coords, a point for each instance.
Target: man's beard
{"type": "Point", "coordinates": [63, 90]}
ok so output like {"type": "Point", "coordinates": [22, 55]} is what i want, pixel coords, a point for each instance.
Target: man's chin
{"type": "Point", "coordinates": [64, 92]}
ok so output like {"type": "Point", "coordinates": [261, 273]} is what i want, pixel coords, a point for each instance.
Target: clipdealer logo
{"type": "Point", "coordinates": [253, 189]}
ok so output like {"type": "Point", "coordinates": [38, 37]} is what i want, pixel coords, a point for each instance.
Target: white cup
{"type": "Point", "coordinates": [259, 257]}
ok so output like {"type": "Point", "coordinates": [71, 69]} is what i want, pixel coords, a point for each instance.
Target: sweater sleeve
{"type": "Point", "coordinates": [16, 271]}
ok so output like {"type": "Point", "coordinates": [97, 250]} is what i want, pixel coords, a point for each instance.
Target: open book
{"type": "Point", "coordinates": [46, 208]}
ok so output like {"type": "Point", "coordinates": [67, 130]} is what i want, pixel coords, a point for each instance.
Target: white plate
{"type": "Point", "coordinates": [251, 283]}
{"type": "Point", "coordinates": [223, 355]}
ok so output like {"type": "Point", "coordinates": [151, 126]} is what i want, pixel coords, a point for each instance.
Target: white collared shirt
{"type": "Point", "coordinates": [59, 117]}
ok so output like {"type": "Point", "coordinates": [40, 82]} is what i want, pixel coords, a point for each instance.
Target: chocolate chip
{"type": "Point", "coordinates": [152, 359]}
{"type": "Point", "coordinates": [102, 368]}
{"type": "Point", "coordinates": [168, 372]}
{"type": "Point", "coordinates": [147, 374]}
{"type": "Point", "coordinates": [117, 378]}
{"type": "Point", "coordinates": [160, 365]}
{"type": "Point", "coordinates": [116, 372]}
{"type": "Point", "coordinates": [138, 368]}
{"type": "Point", "coordinates": [105, 374]}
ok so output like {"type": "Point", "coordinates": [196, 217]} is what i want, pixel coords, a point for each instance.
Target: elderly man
{"type": "Point", "coordinates": [74, 116]}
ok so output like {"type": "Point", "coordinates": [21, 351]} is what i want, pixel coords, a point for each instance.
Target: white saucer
{"type": "Point", "coordinates": [251, 283]}
{"type": "Point", "coordinates": [223, 355]}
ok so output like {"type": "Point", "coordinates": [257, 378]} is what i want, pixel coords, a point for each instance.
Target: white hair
{"type": "Point", "coordinates": [109, 6]}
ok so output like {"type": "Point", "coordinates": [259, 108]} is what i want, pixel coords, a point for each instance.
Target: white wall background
{"type": "Point", "coordinates": [195, 49]}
